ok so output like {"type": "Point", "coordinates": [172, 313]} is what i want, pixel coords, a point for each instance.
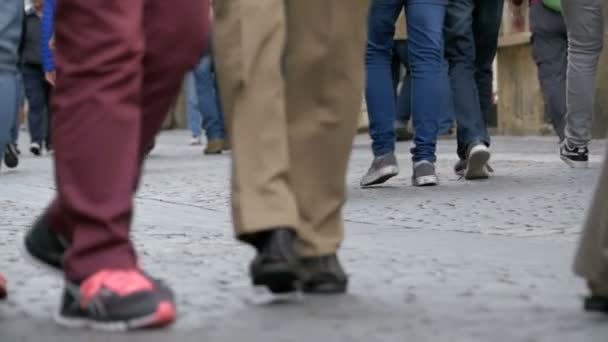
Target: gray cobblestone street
{"type": "Point", "coordinates": [488, 261]}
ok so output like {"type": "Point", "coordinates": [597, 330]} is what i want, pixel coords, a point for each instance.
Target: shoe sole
{"type": "Point", "coordinates": [212, 153]}
{"type": "Point", "coordinates": [386, 172]}
{"type": "Point", "coordinates": [425, 181]}
{"type": "Point", "coordinates": [476, 165]}
{"type": "Point", "coordinates": [278, 278]}
{"type": "Point", "coordinates": [575, 164]}
{"type": "Point", "coordinates": [165, 315]}
{"type": "Point", "coordinates": [326, 289]}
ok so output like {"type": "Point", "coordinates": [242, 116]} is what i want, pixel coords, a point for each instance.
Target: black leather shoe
{"type": "Point", "coordinates": [276, 265]}
{"type": "Point", "coordinates": [44, 245]}
{"type": "Point", "coordinates": [323, 275]}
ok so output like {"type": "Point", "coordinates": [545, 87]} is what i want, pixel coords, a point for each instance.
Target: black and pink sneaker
{"type": "Point", "coordinates": [117, 300]}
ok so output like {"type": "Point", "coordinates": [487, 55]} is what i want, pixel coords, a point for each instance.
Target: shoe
{"type": "Point", "coordinates": [44, 246]}
{"type": "Point", "coordinates": [382, 169]}
{"type": "Point", "coordinates": [596, 302]}
{"type": "Point", "coordinates": [195, 141]}
{"type": "Point", "coordinates": [35, 148]}
{"type": "Point", "coordinates": [476, 165]}
{"type": "Point", "coordinates": [576, 157]}
{"type": "Point", "coordinates": [215, 146]}
{"type": "Point", "coordinates": [227, 146]}
{"type": "Point", "coordinates": [323, 275]}
{"type": "Point", "coordinates": [117, 300]}
{"type": "Point", "coordinates": [49, 149]}
{"type": "Point", "coordinates": [2, 287]}
{"type": "Point", "coordinates": [403, 134]}
{"type": "Point", "coordinates": [276, 264]}
{"type": "Point", "coordinates": [11, 156]}
{"type": "Point", "coordinates": [149, 148]}
{"type": "Point", "coordinates": [424, 174]}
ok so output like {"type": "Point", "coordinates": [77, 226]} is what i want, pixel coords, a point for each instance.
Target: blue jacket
{"type": "Point", "coordinates": [48, 27]}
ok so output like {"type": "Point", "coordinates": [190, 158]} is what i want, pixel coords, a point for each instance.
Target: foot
{"type": "Point", "coordinates": [11, 156]}
{"type": "Point", "coordinates": [36, 148]}
{"type": "Point", "coordinates": [276, 265]}
{"type": "Point", "coordinates": [44, 246]}
{"type": "Point", "coordinates": [476, 165]}
{"type": "Point", "coordinates": [575, 156]}
{"type": "Point", "coordinates": [323, 275]}
{"type": "Point", "coordinates": [598, 300]}
{"type": "Point", "coordinates": [117, 300]}
{"type": "Point", "coordinates": [195, 141]}
{"type": "Point", "coordinates": [2, 287]}
{"type": "Point", "coordinates": [403, 134]}
{"type": "Point", "coordinates": [382, 169]}
{"type": "Point", "coordinates": [215, 146]}
{"type": "Point", "coordinates": [424, 174]}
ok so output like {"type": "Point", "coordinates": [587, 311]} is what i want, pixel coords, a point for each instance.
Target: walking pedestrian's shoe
{"type": "Point", "coordinates": [11, 156]}
{"type": "Point", "coordinates": [323, 275]}
{"type": "Point", "coordinates": [44, 246]}
{"type": "Point", "coordinates": [476, 165]}
{"type": "Point", "coordinates": [215, 146]}
{"type": "Point", "coordinates": [117, 300]}
{"type": "Point", "coordinates": [195, 141]}
{"type": "Point", "coordinates": [276, 265]}
{"type": "Point", "coordinates": [403, 134]}
{"type": "Point", "coordinates": [597, 302]}
{"type": "Point", "coordinates": [424, 174]}
{"type": "Point", "coordinates": [2, 287]}
{"type": "Point", "coordinates": [575, 156]}
{"type": "Point", "coordinates": [382, 169]}
{"type": "Point", "coordinates": [36, 148]}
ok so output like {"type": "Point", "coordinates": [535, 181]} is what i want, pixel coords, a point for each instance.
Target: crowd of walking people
{"type": "Point", "coordinates": [281, 87]}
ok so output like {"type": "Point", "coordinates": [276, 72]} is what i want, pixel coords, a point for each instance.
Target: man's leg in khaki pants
{"type": "Point", "coordinates": [592, 258]}
{"type": "Point", "coordinates": [289, 156]}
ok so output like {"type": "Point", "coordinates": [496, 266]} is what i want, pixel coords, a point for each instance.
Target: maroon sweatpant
{"type": "Point", "coordinates": [120, 65]}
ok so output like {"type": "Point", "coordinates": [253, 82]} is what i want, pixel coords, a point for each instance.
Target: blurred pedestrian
{"type": "Point", "coordinates": [429, 88]}
{"type": "Point", "coordinates": [471, 30]}
{"type": "Point", "coordinates": [291, 86]}
{"type": "Point", "coordinates": [585, 23]}
{"type": "Point", "coordinates": [115, 84]}
{"type": "Point", "coordinates": [37, 88]}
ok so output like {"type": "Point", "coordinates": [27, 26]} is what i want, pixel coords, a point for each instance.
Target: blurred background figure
{"type": "Point", "coordinates": [585, 24]}
{"type": "Point", "coordinates": [37, 88]}
{"type": "Point", "coordinates": [429, 89]}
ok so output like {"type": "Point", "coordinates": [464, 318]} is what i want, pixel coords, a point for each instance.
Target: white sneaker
{"type": "Point", "coordinates": [35, 148]}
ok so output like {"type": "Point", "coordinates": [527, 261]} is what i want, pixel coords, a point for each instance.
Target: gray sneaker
{"type": "Point", "coordinates": [477, 162]}
{"type": "Point", "coordinates": [383, 168]}
{"type": "Point", "coordinates": [424, 174]}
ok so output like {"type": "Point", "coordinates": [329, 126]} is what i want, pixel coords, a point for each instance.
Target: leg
{"type": "Point", "coordinates": [249, 38]}
{"type": "Point", "coordinates": [34, 91]}
{"type": "Point", "coordinates": [194, 115]}
{"type": "Point", "coordinates": [8, 107]}
{"type": "Point", "coordinates": [487, 18]}
{"type": "Point", "coordinates": [429, 76]}
{"type": "Point", "coordinates": [460, 53]}
{"type": "Point", "coordinates": [322, 118]}
{"type": "Point", "coordinates": [207, 95]}
{"type": "Point", "coordinates": [550, 51]}
{"type": "Point", "coordinates": [379, 92]}
{"type": "Point", "coordinates": [585, 34]}
{"type": "Point", "coordinates": [404, 109]}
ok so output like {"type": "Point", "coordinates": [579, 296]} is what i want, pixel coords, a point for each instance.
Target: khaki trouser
{"type": "Point", "coordinates": [592, 257]}
{"type": "Point", "coordinates": [291, 77]}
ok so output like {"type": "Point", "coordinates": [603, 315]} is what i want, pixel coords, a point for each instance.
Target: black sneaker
{"type": "Point", "coordinates": [36, 148]}
{"type": "Point", "coordinates": [323, 275]}
{"type": "Point", "coordinates": [11, 156]}
{"type": "Point", "coordinates": [117, 300]}
{"type": "Point", "coordinates": [276, 265]}
{"type": "Point", "coordinates": [576, 157]}
{"type": "Point", "coordinates": [44, 246]}
{"type": "Point", "coordinates": [424, 174]}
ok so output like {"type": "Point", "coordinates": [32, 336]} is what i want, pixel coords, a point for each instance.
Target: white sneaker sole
{"type": "Point", "coordinates": [382, 176]}
{"type": "Point", "coordinates": [575, 164]}
{"type": "Point", "coordinates": [425, 181]}
{"type": "Point", "coordinates": [477, 163]}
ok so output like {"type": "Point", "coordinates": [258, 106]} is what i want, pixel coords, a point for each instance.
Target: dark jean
{"type": "Point", "coordinates": [471, 34]}
{"type": "Point", "coordinates": [209, 100]}
{"type": "Point", "coordinates": [429, 89]}
{"type": "Point", "coordinates": [37, 92]}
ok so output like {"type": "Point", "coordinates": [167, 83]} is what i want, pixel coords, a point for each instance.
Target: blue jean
{"type": "Point", "coordinates": [37, 92]}
{"type": "Point", "coordinates": [209, 100]}
{"type": "Point", "coordinates": [11, 13]}
{"type": "Point", "coordinates": [471, 32]}
{"type": "Point", "coordinates": [14, 135]}
{"type": "Point", "coordinates": [195, 120]}
{"type": "Point", "coordinates": [429, 90]}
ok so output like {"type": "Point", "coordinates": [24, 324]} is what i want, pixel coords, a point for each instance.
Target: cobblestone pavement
{"type": "Point", "coordinates": [483, 261]}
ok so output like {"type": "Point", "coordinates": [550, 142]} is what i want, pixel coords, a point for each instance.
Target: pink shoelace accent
{"type": "Point", "coordinates": [120, 282]}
